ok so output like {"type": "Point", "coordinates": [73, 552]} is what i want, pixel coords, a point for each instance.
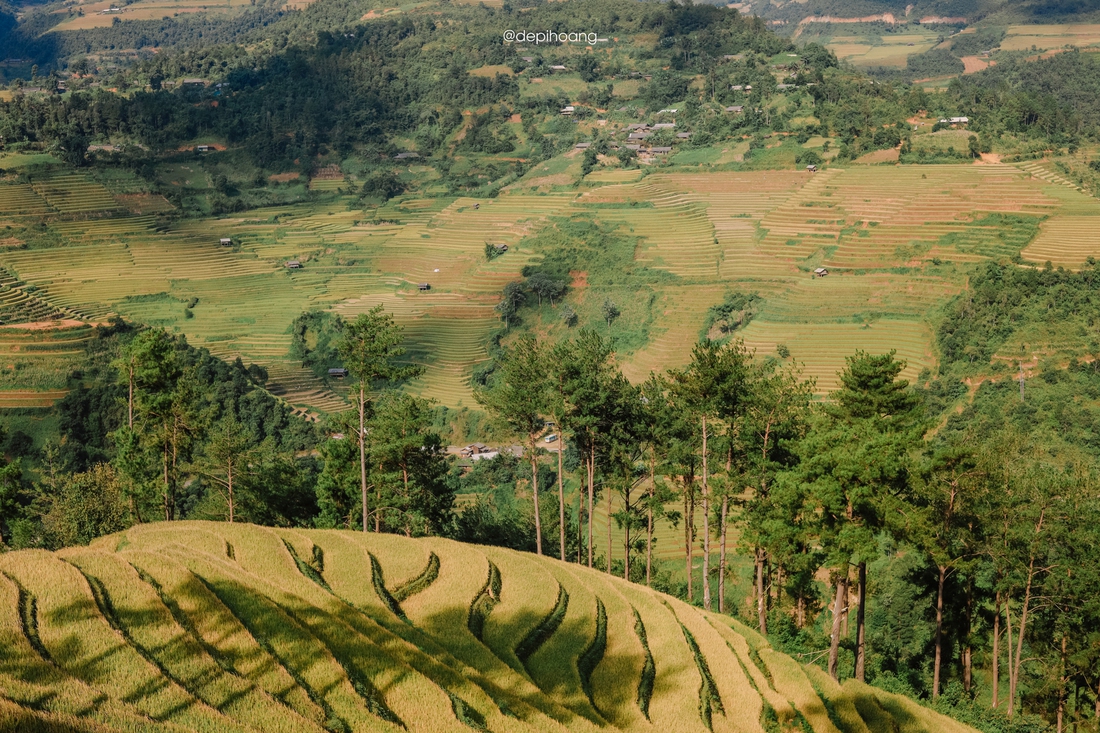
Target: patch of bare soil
{"type": "Point", "coordinates": [44, 325]}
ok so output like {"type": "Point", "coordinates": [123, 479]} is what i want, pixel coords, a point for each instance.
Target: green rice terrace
{"type": "Point", "coordinates": [894, 239]}
{"type": "Point", "coordinates": [214, 627]}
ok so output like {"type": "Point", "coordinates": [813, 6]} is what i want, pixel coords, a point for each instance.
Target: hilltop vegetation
{"type": "Point", "coordinates": [203, 626]}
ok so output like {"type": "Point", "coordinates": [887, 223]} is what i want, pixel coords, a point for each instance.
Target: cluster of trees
{"type": "Point", "coordinates": [1056, 99]}
{"type": "Point", "coordinates": [158, 430]}
{"type": "Point", "coordinates": [317, 85]}
{"type": "Point", "coordinates": [1006, 539]}
{"type": "Point", "coordinates": [386, 470]}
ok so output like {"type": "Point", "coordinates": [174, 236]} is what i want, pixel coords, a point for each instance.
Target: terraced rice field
{"type": "Point", "coordinates": [712, 232]}
{"type": "Point", "coordinates": [21, 200]}
{"type": "Point", "coordinates": [198, 626]}
{"type": "Point", "coordinates": [35, 361]}
{"type": "Point", "coordinates": [1043, 37]}
{"type": "Point", "coordinates": [824, 346]}
{"type": "Point", "coordinates": [1065, 241]}
{"type": "Point", "coordinates": [72, 193]}
{"type": "Point", "coordinates": [766, 232]}
{"type": "Point", "coordinates": [131, 266]}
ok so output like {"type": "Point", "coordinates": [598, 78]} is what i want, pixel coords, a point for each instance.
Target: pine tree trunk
{"type": "Point", "coordinates": [722, 556]}
{"type": "Point", "coordinates": [626, 532]}
{"type": "Point", "coordinates": [996, 672]}
{"type": "Point", "coordinates": [649, 535]}
{"type": "Point", "coordinates": [689, 539]}
{"type": "Point", "coordinates": [405, 480]}
{"type": "Point", "coordinates": [608, 562]}
{"type": "Point", "coordinates": [535, 497]}
{"type": "Point", "coordinates": [561, 495]}
{"type": "Point", "coordinates": [706, 523]}
{"type": "Point", "coordinates": [967, 652]}
{"type": "Point", "coordinates": [1062, 687]}
{"type": "Point", "coordinates": [1017, 660]}
{"type": "Point", "coordinates": [167, 489]}
{"type": "Point", "coordinates": [378, 503]}
{"type": "Point", "coordinates": [768, 584]}
{"type": "Point", "coordinates": [761, 608]}
{"type": "Point", "coordinates": [861, 627]}
{"type": "Point", "coordinates": [845, 607]}
{"type": "Point", "coordinates": [838, 609]}
{"type": "Point", "coordinates": [591, 497]}
{"type": "Point", "coordinates": [363, 457]}
{"type": "Point", "coordinates": [1008, 647]}
{"type": "Point", "coordinates": [580, 525]}
{"type": "Point", "coordinates": [937, 665]}
{"type": "Point", "coordinates": [229, 482]}
{"type": "Point", "coordinates": [130, 401]}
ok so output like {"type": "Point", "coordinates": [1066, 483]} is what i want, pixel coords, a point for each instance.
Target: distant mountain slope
{"type": "Point", "coordinates": [215, 627]}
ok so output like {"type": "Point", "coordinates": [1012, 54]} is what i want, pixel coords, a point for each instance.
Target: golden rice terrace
{"type": "Point", "coordinates": [213, 627]}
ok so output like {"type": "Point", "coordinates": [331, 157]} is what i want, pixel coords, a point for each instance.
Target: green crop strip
{"type": "Point", "coordinates": [769, 719]}
{"type": "Point", "coordinates": [649, 669]}
{"type": "Point", "coordinates": [754, 655]}
{"type": "Point", "coordinates": [546, 628]}
{"type": "Point", "coordinates": [371, 696]}
{"type": "Point", "coordinates": [830, 709]}
{"type": "Point", "coordinates": [466, 715]}
{"type": "Point", "coordinates": [28, 620]}
{"type": "Point", "coordinates": [484, 602]}
{"type": "Point", "coordinates": [110, 614]}
{"type": "Point", "coordinates": [230, 552]}
{"type": "Point", "coordinates": [185, 623]}
{"type": "Point", "coordinates": [379, 582]}
{"type": "Point", "coordinates": [363, 687]}
{"type": "Point", "coordinates": [588, 660]}
{"type": "Point", "coordinates": [406, 590]}
{"type": "Point", "coordinates": [709, 699]}
{"type": "Point", "coordinates": [333, 722]}
{"type": "Point", "coordinates": [306, 569]}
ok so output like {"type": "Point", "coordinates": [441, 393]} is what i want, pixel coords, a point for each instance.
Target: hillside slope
{"type": "Point", "coordinates": [215, 627]}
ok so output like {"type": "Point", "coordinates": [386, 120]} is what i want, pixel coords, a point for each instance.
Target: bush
{"type": "Point", "coordinates": [382, 185]}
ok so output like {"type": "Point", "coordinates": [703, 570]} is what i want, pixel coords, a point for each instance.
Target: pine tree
{"type": "Point", "coordinates": [369, 347]}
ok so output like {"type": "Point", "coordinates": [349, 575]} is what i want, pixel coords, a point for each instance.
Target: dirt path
{"type": "Point", "coordinates": [44, 325]}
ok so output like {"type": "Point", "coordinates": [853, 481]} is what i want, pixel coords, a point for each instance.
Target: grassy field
{"type": "Point", "coordinates": [869, 44]}
{"type": "Point", "coordinates": [1044, 37]}
{"type": "Point", "coordinates": [212, 627]}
